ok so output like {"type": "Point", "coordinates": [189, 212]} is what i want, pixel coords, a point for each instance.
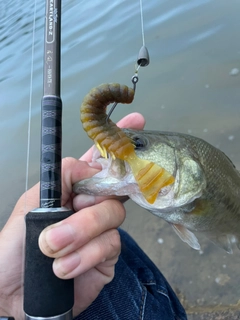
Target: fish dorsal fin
{"type": "Point", "coordinates": [221, 241]}
{"type": "Point", "coordinates": [186, 236]}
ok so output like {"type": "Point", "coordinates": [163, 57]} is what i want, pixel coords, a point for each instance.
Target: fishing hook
{"type": "Point", "coordinates": [142, 61]}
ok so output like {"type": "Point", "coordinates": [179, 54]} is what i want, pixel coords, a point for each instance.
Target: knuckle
{"type": "Point", "coordinates": [68, 161]}
{"type": "Point", "coordinates": [101, 218]}
{"type": "Point", "coordinates": [114, 242]}
{"type": "Point", "coordinates": [111, 275]}
{"type": "Point", "coordinates": [109, 244]}
{"type": "Point", "coordinates": [118, 207]}
{"type": "Point", "coordinates": [98, 218]}
{"type": "Point", "coordinates": [113, 212]}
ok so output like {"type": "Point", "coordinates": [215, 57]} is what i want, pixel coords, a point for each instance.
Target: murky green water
{"type": "Point", "coordinates": [188, 87]}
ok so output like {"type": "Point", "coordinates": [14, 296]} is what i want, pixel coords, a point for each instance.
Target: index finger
{"type": "Point", "coordinates": [133, 120]}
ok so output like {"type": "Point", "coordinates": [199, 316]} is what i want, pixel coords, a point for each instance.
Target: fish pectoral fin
{"type": "Point", "coordinates": [222, 241]}
{"type": "Point", "coordinates": [186, 236]}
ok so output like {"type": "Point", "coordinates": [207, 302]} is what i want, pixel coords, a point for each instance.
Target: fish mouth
{"type": "Point", "coordinates": [114, 178]}
{"type": "Point", "coordinates": [109, 166]}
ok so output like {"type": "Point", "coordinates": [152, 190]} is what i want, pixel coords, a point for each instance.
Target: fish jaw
{"type": "Point", "coordinates": [115, 178]}
{"type": "Point", "coordinates": [100, 186]}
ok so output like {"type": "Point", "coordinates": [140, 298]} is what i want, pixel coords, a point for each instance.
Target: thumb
{"type": "Point", "coordinates": [73, 171]}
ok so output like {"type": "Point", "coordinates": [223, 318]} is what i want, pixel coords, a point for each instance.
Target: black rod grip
{"type": "Point", "coordinates": [51, 152]}
{"type": "Point", "coordinates": [45, 295]}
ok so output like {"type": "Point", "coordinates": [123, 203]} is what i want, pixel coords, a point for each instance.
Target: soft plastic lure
{"type": "Point", "coordinates": [110, 139]}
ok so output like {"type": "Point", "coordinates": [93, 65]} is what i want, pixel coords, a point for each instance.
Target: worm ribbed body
{"type": "Point", "coordinates": [106, 134]}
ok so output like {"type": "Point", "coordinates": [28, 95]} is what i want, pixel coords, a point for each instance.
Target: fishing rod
{"type": "Point", "coordinates": [45, 295]}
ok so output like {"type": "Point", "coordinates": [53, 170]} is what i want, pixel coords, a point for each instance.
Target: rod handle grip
{"type": "Point", "coordinates": [45, 295]}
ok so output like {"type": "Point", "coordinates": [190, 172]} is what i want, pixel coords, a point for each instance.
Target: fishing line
{"type": "Point", "coordinates": [142, 61]}
{"type": "Point", "coordinates": [141, 14]}
{"type": "Point", "coordinates": [30, 104]}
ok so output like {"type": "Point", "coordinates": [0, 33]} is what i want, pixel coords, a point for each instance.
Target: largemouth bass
{"type": "Point", "coordinates": [205, 194]}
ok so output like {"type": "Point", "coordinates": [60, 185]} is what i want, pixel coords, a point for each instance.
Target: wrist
{"type": "Point", "coordinates": [11, 307]}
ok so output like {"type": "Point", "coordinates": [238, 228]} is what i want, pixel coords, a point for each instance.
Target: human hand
{"type": "Point", "coordinates": [85, 246]}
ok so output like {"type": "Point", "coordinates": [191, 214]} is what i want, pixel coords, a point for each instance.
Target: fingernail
{"type": "Point", "coordinates": [63, 266]}
{"type": "Point", "coordinates": [95, 165]}
{"type": "Point", "coordinates": [58, 236]}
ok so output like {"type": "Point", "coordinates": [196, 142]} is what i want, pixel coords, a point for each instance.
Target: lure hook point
{"type": "Point", "coordinates": [142, 61]}
{"type": "Point", "coordinates": [111, 111]}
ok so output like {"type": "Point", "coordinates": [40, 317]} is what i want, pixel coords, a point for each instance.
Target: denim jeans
{"type": "Point", "coordinates": [138, 291]}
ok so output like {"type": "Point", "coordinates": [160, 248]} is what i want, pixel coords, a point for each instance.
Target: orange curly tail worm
{"type": "Point", "coordinates": [111, 139]}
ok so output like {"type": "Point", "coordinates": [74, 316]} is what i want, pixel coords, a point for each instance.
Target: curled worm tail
{"type": "Point", "coordinates": [106, 135]}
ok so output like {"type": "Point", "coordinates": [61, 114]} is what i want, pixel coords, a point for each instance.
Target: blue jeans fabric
{"type": "Point", "coordinates": [138, 291]}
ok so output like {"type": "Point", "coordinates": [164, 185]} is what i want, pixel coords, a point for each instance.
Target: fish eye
{"type": "Point", "coordinates": [139, 142]}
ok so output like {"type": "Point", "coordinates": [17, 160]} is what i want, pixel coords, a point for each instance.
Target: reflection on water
{"type": "Point", "coordinates": [187, 87]}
